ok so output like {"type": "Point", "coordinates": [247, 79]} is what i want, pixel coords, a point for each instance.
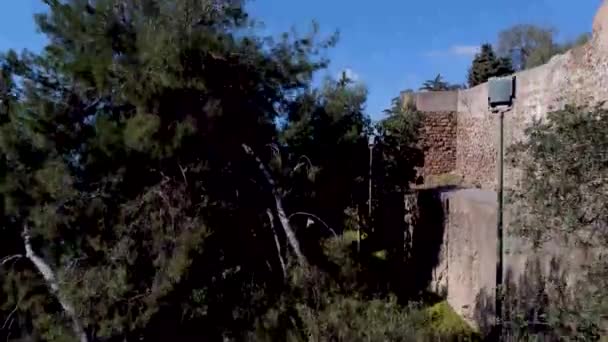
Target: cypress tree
{"type": "Point", "coordinates": [486, 65]}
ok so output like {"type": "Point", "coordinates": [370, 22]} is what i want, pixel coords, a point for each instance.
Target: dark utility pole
{"type": "Point", "coordinates": [371, 143]}
{"type": "Point", "coordinates": [499, 227]}
{"type": "Point", "coordinates": [501, 95]}
{"type": "Point", "coordinates": [371, 163]}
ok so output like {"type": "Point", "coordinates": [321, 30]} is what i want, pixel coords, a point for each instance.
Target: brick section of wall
{"type": "Point", "coordinates": [439, 143]}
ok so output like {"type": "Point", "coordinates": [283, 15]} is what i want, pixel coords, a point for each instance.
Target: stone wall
{"type": "Point", "coordinates": [464, 270]}
{"type": "Point", "coordinates": [467, 267]}
{"type": "Point", "coordinates": [580, 76]}
{"type": "Point", "coordinates": [467, 257]}
{"type": "Point", "coordinates": [439, 143]}
{"type": "Point", "coordinates": [432, 101]}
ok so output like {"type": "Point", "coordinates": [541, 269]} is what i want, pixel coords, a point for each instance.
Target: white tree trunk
{"type": "Point", "coordinates": [291, 236]}
{"type": "Point", "coordinates": [276, 242]}
{"type": "Point", "coordinates": [51, 281]}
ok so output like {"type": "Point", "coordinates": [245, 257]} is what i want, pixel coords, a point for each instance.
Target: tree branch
{"type": "Point", "coordinates": [9, 258]}
{"type": "Point", "coordinates": [8, 336]}
{"type": "Point", "coordinates": [291, 236]}
{"type": "Point", "coordinates": [276, 241]}
{"type": "Point", "coordinates": [333, 232]}
{"type": "Point", "coordinates": [9, 316]}
{"type": "Point", "coordinates": [49, 276]}
{"type": "Point", "coordinates": [183, 171]}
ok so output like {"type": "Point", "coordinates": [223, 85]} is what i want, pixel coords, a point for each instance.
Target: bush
{"type": "Point", "coordinates": [563, 196]}
{"type": "Point", "coordinates": [337, 306]}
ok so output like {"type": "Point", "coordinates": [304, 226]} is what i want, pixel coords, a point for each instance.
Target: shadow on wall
{"type": "Point", "coordinates": [537, 307]}
{"type": "Point", "coordinates": [411, 230]}
{"type": "Point", "coordinates": [428, 236]}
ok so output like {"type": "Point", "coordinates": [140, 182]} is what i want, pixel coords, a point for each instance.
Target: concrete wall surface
{"type": "Point", "coordinates": [467, 267]}
{"type": "Point", "coordinates": [465, 272]}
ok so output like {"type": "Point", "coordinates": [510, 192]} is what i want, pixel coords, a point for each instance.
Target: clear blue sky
{"type": "Point", "coordinates": [390, 45]}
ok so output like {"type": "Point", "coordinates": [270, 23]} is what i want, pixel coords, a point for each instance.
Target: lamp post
{"type": "Point", "coordinates": [499, 223]}
{"type": "Point", "coordinates": [371, 142]}
{"type": "Point", "coordinates": [501, 94]}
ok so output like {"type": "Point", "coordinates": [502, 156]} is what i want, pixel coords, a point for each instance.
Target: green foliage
{"type": "Point", "coordinates": [121, 148]}
{"type": "Point", "coordinates": [326, 135]}
{"type": "Point", "coordinates": [582, 39]}
{"type": "Point", "coordinates": [323, 306]}
{"type": "Point", "coordinates": [437, 84]}
{"type": "Point", "coordinates": [544, 306]}
{"type": "Point", "coordinates": [444, 179]}
{"type": "Point", "coordinates": [445, 322]}
{"type": "Point", "coordinates": [351, 319]}
{"type": "Point", "coordinates": [564, 187]}
{"type": "Point", "coordinates": [529, 46]}
{"type": "Point", "coordinates": [563, 195]}
{"type": "Point", "coordinates": [398, 148]}
{"type": "Point", "coordinates": [121, 154]}
{"type": "Point", "coordinates": [486, 65]}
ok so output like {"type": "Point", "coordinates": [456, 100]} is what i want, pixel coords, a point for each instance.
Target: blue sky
{"type": "Point", "coordinates": [390, 45]}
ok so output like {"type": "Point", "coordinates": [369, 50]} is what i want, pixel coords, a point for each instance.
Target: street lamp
{"type": "Point", "coordinates": [501, 94]}
{"type": "Point", "coordinates": [371, 142]}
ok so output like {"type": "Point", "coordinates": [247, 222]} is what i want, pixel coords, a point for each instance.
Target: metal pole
{"type": "Point", "coordinates": [369, 204]}
{"type": "Point", "coordinates": [499, 229]}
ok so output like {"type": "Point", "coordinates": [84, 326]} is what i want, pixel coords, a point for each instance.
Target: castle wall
{"type": "Point", "coordinates": [468, 255]}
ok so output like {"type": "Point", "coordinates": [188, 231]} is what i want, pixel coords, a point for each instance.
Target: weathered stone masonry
{"type": "Point", "coordinates": [439, 143]}
{"type": "Point", "coordinates": [580, 76]}
{"type": "Point", "coordinates": [468, 254]}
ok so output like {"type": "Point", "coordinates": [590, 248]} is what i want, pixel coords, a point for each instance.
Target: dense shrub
{"type": "Point", "coordinates": [340, 306]}
{"type": "Point", "coordinates": [562, 196]}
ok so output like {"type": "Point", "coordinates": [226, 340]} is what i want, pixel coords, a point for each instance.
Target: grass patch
{"type": "Point", "coordinates": [380, 255]}
{"type": "Point", "coordinates": [445, 179]}
{"type": "Point", "coordinates": [444, 321]}
{"type": "Point", "coordinates": [351, 236]}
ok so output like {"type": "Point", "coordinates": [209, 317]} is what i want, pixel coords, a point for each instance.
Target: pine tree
{"type": "Point", "coordinates": [123, 170]}
{"type": "Point", "coordinates": [141, 191]}
{"type": "Point", "coordinates": [328, 130]}
{"type": "Point", "coordinates": [486, 65]}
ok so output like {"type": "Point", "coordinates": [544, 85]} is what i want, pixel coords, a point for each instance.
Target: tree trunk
{"type": "Point", "coordinates": [276, 241]}
{"type": "Point", "coordinates": [289, 233]}
{"type": "Point", "coordinates": [51, 281]}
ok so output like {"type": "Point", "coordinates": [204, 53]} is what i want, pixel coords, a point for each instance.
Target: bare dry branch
{"type": "Point", "coordinates": [183, 171]}
{"type": "Point", "coordinates": [291, 236]}
{"type": "Point", "coordinates": [9, 317]}
{"type": "Point", "coordinates": [8, 336]}
{"type": "Point", "coordinates": [315, 217]}
{"type": "Point", "coordinates": [9, 258]}
{"type": "Point", "coordinates": [49, 276]}
{"type": "Point", "coordinates": [276, 241]}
